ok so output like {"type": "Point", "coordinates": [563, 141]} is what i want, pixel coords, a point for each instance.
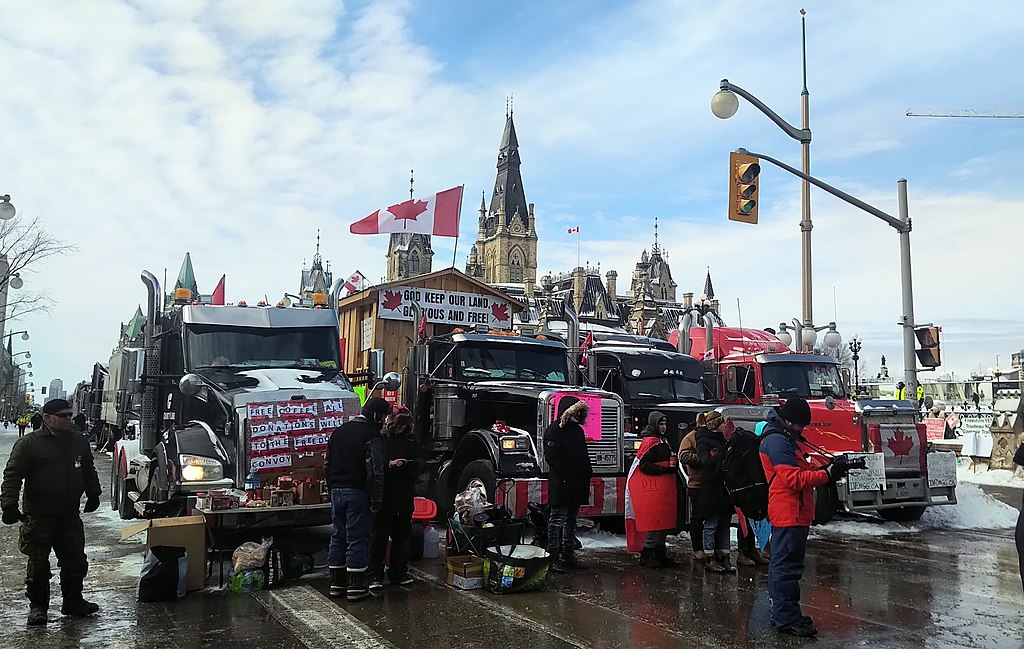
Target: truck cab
{"type": "Point", "coordinates": [480, 404]}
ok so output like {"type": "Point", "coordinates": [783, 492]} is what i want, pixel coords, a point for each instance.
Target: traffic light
{"type": "Point", "coordinates": [928, 337]}
{"type": "Point", "coordinates": [743, 172]}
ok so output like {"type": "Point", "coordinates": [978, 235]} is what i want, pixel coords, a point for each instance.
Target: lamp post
{"type": "Point", "coordinates": [806, 336]}
{"type": "Point", "coordinates": [7, 210]}
{"type": "Point", "coordinates": [855, 345]}
{"type": "Point", "coordinates": [724, 105]}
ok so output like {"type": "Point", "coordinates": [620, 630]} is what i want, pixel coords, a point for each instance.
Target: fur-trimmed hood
{"type": "Point", "coordinates": [580, 409]}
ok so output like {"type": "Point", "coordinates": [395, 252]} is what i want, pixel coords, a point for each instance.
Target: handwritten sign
{"type": "Point", "coordinates": [280, 428]}
{"type": "Point", "coordinates": [872, 477]}
{"type": "Point", "coordinates": [935, 428]}
{"type": "Point", "coordinates": [942, 469]}
{"type": "Point", "coordinates": [444, 307]}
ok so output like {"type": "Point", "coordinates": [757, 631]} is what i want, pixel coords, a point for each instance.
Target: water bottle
{"type": "Point", "coordinates": [431, 542]}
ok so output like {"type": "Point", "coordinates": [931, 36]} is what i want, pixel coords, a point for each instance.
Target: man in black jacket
{"type": "Point", "coordinates": [355, 476]}
{"type": "Point", "coordinates": [569, 472]}
{"type": "Point", "coordinates": [55, 464]}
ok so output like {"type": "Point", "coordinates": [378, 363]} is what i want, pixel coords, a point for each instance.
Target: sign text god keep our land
{"type": "Point", "coordinates": [444, 307]}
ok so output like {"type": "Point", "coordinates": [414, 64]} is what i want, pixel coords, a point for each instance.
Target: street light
{"type": "Point", "coordinates": [724, 105]}
{"type": "Point", "coordinates": [24, 334]}
{"type": "Point", "coordinates": [7, 210]}
{"type": "Point", "coordinates": [807, 336]}
{"type": "Point", "coordinates": [855, 345]}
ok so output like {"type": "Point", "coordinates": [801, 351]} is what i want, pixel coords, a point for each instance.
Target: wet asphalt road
{"type": "Point", "coordinates": [940, 588]}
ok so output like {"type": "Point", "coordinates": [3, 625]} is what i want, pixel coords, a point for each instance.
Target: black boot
{"type": "Point", "coordinates": [572, 561]}
{"type": "Point", "coordinates": [36, 616]}
{"type": "Point", "coordinates": [648, 559]}
{"type": "Point", "coordinates": [556, 566]}
{"type": "Point", "coordinates": [661, 553]}
{"type": "Point", "coordinates": [74, 604]}
{"type": "Point", "coordinates": [358, 584]}
{"type": "Point", "coordinates": [339, 581]}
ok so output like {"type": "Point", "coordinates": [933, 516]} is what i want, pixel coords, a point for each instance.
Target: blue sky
{"type": "Point", "coordinates": [235, 129]}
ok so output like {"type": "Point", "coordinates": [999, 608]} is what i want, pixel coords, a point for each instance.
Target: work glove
{"type": "Point", "coordinates": [838, 468]}
{"type": "Point", "coordinates": [11, 516]}
{"type": "Point", "coordinates": [92, 503]}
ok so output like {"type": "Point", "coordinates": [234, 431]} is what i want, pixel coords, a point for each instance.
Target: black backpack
{"type": "Point", "coordinates": [743, 474]}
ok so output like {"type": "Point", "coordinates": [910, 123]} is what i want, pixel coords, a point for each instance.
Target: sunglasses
{"type": "Point", "coordinates": [62, 415]}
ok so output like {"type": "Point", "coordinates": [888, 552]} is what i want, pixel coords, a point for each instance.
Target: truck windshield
{"type": "Point", "coordinates": [665, 388]}
{"type": "Point", "coordinates": [242, 347]}
{"type": "Point", "coordinates": [517, 363]}
{"type": "Point", "coordinates": [805, 379]}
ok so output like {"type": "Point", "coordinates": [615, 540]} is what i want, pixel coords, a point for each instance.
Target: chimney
{"type": "Point", "coordinates": [687, 300]}
{"type": "Point", "coordinates": [611, 277]}
{"type": "Point", "coordinates": [578, 279]}
{"type": "Point", "coordinates": [528, 288]}
{"type": "Point", "coordinates": [531, 226]}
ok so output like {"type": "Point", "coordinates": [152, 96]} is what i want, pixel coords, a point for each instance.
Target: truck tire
{"type": "Point", "coordinates": [480, 474]}
{"type": "Point", "coordinates": [903, 514]}
{"type": "Point", "coordinates": [826, 503]}
{"type": "Point", "coordinates": [115, 485]}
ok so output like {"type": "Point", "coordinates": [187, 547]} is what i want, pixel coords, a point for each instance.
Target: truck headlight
{"type": "Point", "coordinates": [196, 468]}
{"type": "Point", "coordinates": [515, 444]}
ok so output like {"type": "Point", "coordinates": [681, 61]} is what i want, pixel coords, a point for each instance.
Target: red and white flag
{"type": "Point", "coordinates": [355, 281]}
{"type": "Point", "coordinates": [218, 293]}
{"type": "Point", "coordinates": [575, 230]}
{"type": "Point", "coordinates": [437, 214]}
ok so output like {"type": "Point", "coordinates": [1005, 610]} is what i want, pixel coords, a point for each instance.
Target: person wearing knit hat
{"type": "Point", "coordinates": [712, 505]}
{"type": "Point", "coordinates": [394, 520]}
{"type": "Point", "coordinates": [792, 480]}
{"type": "Point", "coordinates": [55, 465]}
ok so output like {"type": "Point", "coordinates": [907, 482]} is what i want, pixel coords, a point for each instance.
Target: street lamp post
{"type": "Point", "coordinates": [855, 345]}
{"type": "Point", "coordinates": [807, 336]}
{"type": "Point", "coordinates": [724, 105]}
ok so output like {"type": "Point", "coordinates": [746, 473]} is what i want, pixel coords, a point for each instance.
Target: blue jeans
{"type": "Point", "coordinates": [353, 521]}
{"type": "Point", "coordinates": [789, 545]}
{"type": "Point", "coordinates": [716, 533]}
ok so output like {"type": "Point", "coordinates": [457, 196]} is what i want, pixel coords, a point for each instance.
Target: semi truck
{"type": "Point", "coordinates": [748, 371]}
{"type": "Point", "coordinates": [224, 392]}
{"type": "Point", "coordinates": [481, 401]}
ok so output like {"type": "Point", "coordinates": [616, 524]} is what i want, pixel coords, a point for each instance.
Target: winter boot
{"type": "Point", "coordinates": [339, 581]}
{"type": "Point", "coordinates": [376, 586]}
{"type": "Point", "coordinates": [36, 616]}
{"type": "Point", "coordinates": [358, 584]}
{"type": "Point", "coordinates": [556, 566]}
{"type": "Point", "coordinates": [74, 604]}
{"type": "Point", "coordinates": [648, 559]}
{"type": "Point", "coordinates": [570, 560]}
{"type": "Point", "coordinates": [760, 558]}
{"type": "Point", "coordinates": [712, 564]}
{"type": "Point", "coordinates": [661, 554]}
{"type": "Point", "coordinates": [745, 559]}
{"type": "Point", "coordinates": [723, 559]}
{"type": "Point", "coordinates": [698, 555]}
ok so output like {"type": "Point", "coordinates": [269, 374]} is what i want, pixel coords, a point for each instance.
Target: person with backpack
{"type": "Point", "coordinates": [655, 458]}
{"type": "Point", "coordinates": [747, 489]}
{"type": "Point", "coordinates": [792, 479]}
{"type": "Point", "coordinates": [690, 462]}
{"type": "Point", "coordinates": [713, 506]}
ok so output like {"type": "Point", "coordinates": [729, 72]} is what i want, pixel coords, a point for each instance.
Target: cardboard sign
{"type": "Point", "coordinates": [444, 307]}
{"type": "Point", "coordinates": [592, 427]}
{"type": "Point", "coordinates": [653, 498]}
{"type": "Point", "coordinates": [871, 478]}
{"type": "Point", "coordinates": [935, 428]}
{"type": "Point", "coordinates": [941, 469]}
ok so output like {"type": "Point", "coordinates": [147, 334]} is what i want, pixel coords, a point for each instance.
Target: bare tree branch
{"type": "Point", "coordinates": [25, 243]}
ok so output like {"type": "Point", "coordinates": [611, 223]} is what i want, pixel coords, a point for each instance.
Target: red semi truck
{"type": "Point", "coordinates": [751, 367]}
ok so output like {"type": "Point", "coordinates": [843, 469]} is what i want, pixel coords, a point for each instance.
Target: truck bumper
{"type": "Point", "coordinates": [899, 492]}
{"type": "Point", "coordinates": [607, 495]}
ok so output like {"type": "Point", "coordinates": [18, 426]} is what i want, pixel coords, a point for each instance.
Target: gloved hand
{"type": "Point", "coordinates": [11, 516]}
{"type": "Point", "coordinates": [838, 468]}
{"type": "Point", "coordinates": [92, 503]}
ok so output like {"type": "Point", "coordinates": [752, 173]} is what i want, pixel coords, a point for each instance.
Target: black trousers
{"type": "Point", "coordinates": [64, 535]}
{"type": "Point", "coordinates": [394, 522]}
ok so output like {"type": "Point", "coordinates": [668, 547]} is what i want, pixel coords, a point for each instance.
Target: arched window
{"type": "Point", "coordinates": [414, 263]}
{"type": "Point", "coordinates": [515, 266]}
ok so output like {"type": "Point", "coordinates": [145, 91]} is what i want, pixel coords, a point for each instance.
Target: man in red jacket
{"type": "Point", "coordinates": [791, 483]}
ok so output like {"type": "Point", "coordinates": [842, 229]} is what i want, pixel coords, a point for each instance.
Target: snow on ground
{"type": "Point", "coordinates": [998, 477]}
{"type": "Point", "coordinates": [593, 539]}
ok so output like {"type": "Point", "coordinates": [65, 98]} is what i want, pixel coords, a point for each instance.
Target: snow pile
{"type": "Point", "coordinates": [594, 539]}
{"type": "Point", "coordinates": [863, 527]}
{"type": "Point", "coordinates": [996, 477]}
{"type": "Point", "coordinates": [974, 509]}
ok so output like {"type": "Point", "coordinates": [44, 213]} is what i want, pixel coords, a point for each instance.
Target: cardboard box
{"type": "Point", "coordinates": [465, 572]}
{"type": "Point", "coordinates": [187, 532]}
{"type": "Point", "coordinates": [307, 493]}
{"type": "Point", "coordinates": [308, 465]}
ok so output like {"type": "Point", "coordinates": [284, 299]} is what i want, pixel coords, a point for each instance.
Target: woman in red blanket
{"type": "Point", "coordinates": [651, 493]}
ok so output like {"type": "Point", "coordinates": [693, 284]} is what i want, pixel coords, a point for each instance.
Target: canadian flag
{"type": "Point", "coordinates": [437, 214]}
{"type": "Point", "coordinates": [575, 230]}
{"type": "Point", "coordinates": [355, 281]}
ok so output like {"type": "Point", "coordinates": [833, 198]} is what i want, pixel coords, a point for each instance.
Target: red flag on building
{"type": "Point", "coordinates": [218, 293]}
{"type": "Point", "coordinates": [575, 230]}
{"type": "Point", "coordinates": [437, 214]}
{"type": "Point", "coordinates": [355, 281]}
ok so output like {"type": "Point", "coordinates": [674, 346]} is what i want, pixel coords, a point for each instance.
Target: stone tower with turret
{"type": "Point", "coordinates": [505, 251]}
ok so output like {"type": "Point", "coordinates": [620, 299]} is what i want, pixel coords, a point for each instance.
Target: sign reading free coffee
{"type": "Point", "coordinates": [444, 307]}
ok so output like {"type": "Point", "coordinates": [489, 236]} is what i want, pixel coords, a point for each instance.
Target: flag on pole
{"type": "Point", "coordinates": [575, 230]}
{"type": "Point", "coordinates": [437, 214]}
{"type": "Point", "coordinates": [218, 293]}
{"type": "Point", "coordinates": [421, 331]}
{"type": "Point", "coordinates": [588, 342]}
{"type": "Point", "coordinates": [354, 282]}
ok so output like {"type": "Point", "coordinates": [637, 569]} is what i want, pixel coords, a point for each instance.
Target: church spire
{"type": "Point", "coordinates": [654, 248]}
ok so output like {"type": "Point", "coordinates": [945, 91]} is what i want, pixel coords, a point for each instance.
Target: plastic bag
{"type": "Point", "coordinates": [246, 581]}
{"type": "Point", "coordinates": [164, 574]}
{"type": "Point", "coordinates": [469, 503]}
{"type": "Point", "coordinates": [250, 555]}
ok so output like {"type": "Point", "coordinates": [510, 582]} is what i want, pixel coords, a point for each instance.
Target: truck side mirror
{"type": "Point", "coordinates": [377, 363]}
{"type": "Point", "coordinates": [830, 402]}
{"type": "Point", "coordinates": [391, 381]}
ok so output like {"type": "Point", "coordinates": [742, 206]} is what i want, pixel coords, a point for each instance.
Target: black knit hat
{"type": "Point", "coordinates": [53, 406]}
{"type": "Point", "coordinates": [796, 411]}
{"type": "Point", "coordinates": [376, 409]}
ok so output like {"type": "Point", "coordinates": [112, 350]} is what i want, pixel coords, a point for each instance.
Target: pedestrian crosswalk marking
{"type": "Point", "coordinates": [318, 622]}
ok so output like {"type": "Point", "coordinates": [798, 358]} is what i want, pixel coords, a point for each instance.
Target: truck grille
{"type": "Point", "coordinates": [606, 455]}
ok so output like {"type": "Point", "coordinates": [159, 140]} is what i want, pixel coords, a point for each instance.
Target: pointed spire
{"type": "Point", "coordinates": [483, 203]}
{"type": "Point", "coordinates": [316, 256]}
{"type": "Point", "coordinates": [654, 248]}
{"type": "Point", "coordinates": [411, 173]}
{"type": "Point", "coordinates": [187, 277]}
{"type": "Point", "coordinates": [709, 290]}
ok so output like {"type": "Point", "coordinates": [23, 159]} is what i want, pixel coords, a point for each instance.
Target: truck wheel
{"type": "Point", "coordinates": [125, 505]}
{"type": "Point", "coordinates": [826, 503]}
{"type": "Point", "coordinates": [903, 514]}
{"type": "Point", "coordinates": [479, 474]}
{"type": "Point", "coordinates": [114, 485]}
